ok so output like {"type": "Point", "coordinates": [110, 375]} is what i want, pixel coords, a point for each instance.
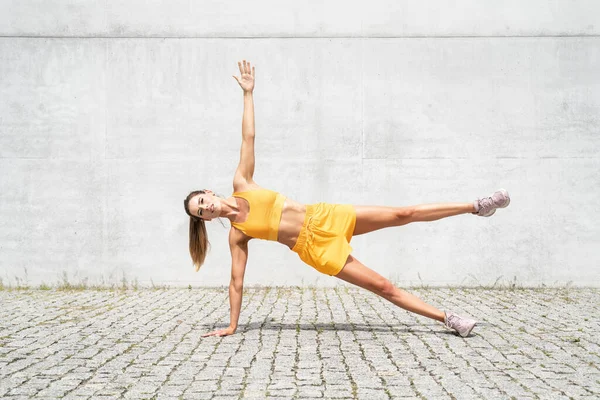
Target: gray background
{"type": "Point", "coordinates": [111, 112]}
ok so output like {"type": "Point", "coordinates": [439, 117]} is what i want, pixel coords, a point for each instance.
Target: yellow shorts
{"type": "Point", "coordinates": [324, 239]}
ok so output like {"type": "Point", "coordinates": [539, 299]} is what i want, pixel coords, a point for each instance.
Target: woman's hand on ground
{"type": "Point", "coordinates": [247, 80]}
{"type": "Point", "coordinates": [221, 332]}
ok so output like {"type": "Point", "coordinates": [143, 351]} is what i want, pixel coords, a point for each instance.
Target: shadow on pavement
{"type": "Point", "coordinates": [274, 326]}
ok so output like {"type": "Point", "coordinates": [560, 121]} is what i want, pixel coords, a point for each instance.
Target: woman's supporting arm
{"type": "Point", "coordinates": [239, 257]}
{"type": "Point", "coordinates": [235, 304]}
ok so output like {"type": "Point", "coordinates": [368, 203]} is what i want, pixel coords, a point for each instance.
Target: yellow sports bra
{"type": "Point", "coordinates": [264, 214]}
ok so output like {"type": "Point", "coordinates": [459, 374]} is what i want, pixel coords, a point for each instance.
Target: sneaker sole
{"type": "Point", "coordinates": [505, 192]}
{"type": "Point", "coordinates": [488, 215]}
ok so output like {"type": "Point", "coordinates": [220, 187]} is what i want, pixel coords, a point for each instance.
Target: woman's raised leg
{"type": "Point", "coordinates": [358, 274]}
{"type": "Point", "coordinates": [372, 218]}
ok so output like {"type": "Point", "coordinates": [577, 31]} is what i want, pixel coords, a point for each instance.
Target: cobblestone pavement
{"type": "Point", "coordinates": [299, 343]}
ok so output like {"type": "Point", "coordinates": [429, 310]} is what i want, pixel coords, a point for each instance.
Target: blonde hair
{"type": "Point", "coordinates": [199, 244]}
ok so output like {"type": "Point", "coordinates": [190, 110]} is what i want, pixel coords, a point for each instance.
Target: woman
{"type": "Point", "coordinates": [318, 233]}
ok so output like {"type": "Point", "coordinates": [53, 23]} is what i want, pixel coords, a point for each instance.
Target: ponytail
{"type": "Point", "coordinates": [199, 244]}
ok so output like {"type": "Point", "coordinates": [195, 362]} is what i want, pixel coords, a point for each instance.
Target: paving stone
{"type": "Point", "coordinates": [305, 343]}
{"type": "Point", "coordinates": [310, 391]}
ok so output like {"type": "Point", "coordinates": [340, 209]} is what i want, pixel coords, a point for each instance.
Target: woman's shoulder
{"type": "Point", "coordinates": [239, 187]}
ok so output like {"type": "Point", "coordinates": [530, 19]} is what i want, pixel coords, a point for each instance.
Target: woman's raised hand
{"type": "Point", "coordinates": [247, 80]}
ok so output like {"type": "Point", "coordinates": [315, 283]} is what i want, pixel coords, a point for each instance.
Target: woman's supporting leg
{"type": "Point", "coordinates": [358, 274]}
{"type": "Point", "coordinates": [372, 218]}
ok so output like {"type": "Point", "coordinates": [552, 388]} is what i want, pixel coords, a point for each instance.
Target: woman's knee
{"type": "Point", "coordinates": [405, 214]}
{"type": "Point", "coordinates": [384, 288]}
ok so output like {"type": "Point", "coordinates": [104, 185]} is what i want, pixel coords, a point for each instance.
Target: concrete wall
{"type": "Point", "coordinates": [111, 112]}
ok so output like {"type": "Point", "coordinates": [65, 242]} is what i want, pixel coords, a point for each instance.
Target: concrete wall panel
{"type": "Point", "coordinates": [474, 98]}
{"type": "Point", "coordinates": [53, 18]}
{"type": "Point", "coordinates": [53, 95]}
{"type": "Point", "coordinates": [312, 18]}
{"type": "Point", "coordinates": [52, 214]}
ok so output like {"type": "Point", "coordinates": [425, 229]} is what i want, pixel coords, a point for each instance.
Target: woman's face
{"type": "Point", "coordinates": [205, 205]}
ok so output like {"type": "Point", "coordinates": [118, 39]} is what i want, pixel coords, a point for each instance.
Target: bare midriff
{"type": "Point", "coordinates": [290, 225]}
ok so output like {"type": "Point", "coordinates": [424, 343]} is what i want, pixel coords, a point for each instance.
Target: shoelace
{"type": "Point", "coordinates": [485, 204]}
{"type": "Point", "coordinates": [450, 320]}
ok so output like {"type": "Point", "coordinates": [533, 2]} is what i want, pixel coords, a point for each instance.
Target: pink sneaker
{"type": "Point", "coordinates": [486, 206]}
{"type": "Point", "coordinates": [463, 326]}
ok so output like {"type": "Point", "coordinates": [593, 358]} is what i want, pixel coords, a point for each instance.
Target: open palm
{"type": "Point", "coordinates": [247, 79]}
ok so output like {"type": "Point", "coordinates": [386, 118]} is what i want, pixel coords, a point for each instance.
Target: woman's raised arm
{"type": "Point", "coordinates": [245, 168]}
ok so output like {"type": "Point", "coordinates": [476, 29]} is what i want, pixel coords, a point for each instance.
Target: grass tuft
{"type": "Point", "coordinates": [423, 286]}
